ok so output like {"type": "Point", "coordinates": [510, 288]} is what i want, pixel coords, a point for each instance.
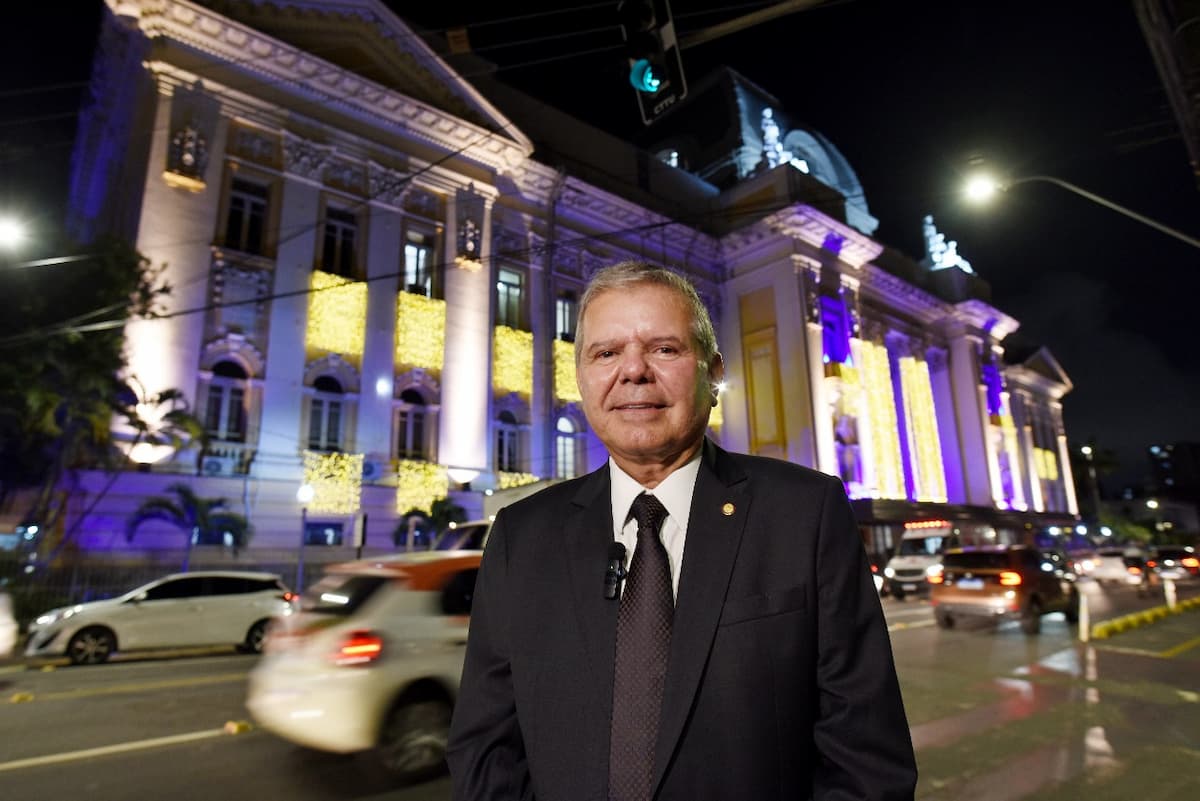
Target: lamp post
{"type": "Point", "coordinates": [1093, 483]}
{"type": "Point", "coordinates": [304, 495]}
{"type": "Point", "coordinates": [982, 187]}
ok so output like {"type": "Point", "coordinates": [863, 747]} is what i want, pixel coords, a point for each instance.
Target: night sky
{"type": "Point", "coordinates": [911, 93]}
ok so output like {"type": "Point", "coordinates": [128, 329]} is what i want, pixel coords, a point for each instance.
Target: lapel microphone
{"type": "Point", "coordinates": [616, 571]}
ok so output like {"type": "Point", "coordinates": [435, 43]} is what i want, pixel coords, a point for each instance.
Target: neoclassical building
{"type": "Point", "coordinates": [376, 265]}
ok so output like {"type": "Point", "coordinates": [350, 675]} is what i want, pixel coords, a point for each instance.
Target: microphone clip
{"type": "Point", "coordinates": [615, 573]}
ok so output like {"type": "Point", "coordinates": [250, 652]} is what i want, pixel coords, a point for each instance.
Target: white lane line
{"type": "Point", "coordinates": [108, 750]}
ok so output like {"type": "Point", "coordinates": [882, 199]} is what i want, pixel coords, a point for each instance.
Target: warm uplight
{"type": "Point", "coordinates": [12, 233]}
{"type": "Point", "coordinates": [981, 188]}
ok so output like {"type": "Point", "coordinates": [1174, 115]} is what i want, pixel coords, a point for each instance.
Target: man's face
{"type": "Point", "coordinates": [645, 392]}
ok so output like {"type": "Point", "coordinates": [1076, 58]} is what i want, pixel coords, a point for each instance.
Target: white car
{"type": "Point", "coordinates": [371, 661]}
{"type": "Point", "coordinates": [8, 626]}
{"type": "Point", "coordinates": [200, 608]}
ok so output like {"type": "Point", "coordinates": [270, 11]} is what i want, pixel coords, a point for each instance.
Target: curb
{"type": "Point", "coordinates": [1108, 628]}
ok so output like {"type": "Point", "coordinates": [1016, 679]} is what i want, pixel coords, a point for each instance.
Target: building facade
{"type": "Point", "coordinates": [376, 267]}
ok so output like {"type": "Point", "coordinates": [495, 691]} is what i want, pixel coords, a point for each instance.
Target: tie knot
{"type": "Point", "coordinates": [649, 513]}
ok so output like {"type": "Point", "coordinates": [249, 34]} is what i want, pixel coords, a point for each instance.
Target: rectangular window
{"type": "Point", "coordinates": [506, 450]}
{"type": "Point", "coordinates": [566, 312]}
{"type": "Point", "coordinates": [564, 463]}
{"type": "Point", "coordinates": [325, 425]}
{"type": "Point", "coordinates": [418, 269]}
{"type": "Point", "coordinates": [225, 413]}
{"type": "Point", "coordinates": [410, 440]}
{"type": "Point", "coordinates": [246, 221]}
{"type": "Point", "coordinates": [328, 534]}
{"type": "Point", "coordinates": [508, 297]}
{"type": "Point", "coordinates": [340, 240]}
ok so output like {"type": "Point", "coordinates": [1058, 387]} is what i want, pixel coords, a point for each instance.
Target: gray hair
{"type": "Point", "coordinates": [627, 274]}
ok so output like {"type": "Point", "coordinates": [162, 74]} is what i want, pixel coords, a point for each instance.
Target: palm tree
{"type": "Point", "coordinates": [201, 519]}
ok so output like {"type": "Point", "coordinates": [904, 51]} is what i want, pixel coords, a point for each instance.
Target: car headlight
{"type": "Point", "coordinates": [889, 572]}
{"type": "Point", "coordinates": [55, 615]}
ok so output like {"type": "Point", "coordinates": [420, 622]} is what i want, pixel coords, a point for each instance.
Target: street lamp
{"type": "Point", "coordinates": [304, 495]}
{"type": "Point", "coordinates": [1093, 483]}
{"type": "Point", "coordinates": [982, 187]}
{"type": "Point", "coordinates": [12, 233]}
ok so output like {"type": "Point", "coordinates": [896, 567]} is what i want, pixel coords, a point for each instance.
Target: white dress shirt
{"type": "Point", "coordinates": [675, 493]}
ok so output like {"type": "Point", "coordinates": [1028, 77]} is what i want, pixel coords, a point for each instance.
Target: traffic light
{"type": "Point", "coordinates": [655, 67]}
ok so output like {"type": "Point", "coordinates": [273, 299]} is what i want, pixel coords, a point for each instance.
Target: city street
{"type": "Point", "coordinates": [996, 715]}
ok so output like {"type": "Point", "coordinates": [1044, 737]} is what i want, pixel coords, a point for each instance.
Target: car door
{"type": "Point", "coordinates": [166, 615]}
{"type": "Point", "coordinates": [232, 606]}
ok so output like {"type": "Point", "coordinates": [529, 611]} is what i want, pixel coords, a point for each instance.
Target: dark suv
{"type": "Point", "coordinates": [1012, 582]}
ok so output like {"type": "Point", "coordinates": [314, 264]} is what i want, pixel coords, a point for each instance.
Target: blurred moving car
{"type": "Point", "coordinates": [8, 625]}
{"type": "Point", "coordinates": [1110, 564]}
{"type": "Point", "coordinates": [218, 607]}
{"type": "Point", "coordinates": [372, 660]}
{"type": "Point", "coordinates": [1004, 582]}
{"type": "Point", "coordinates": [1175, 562]}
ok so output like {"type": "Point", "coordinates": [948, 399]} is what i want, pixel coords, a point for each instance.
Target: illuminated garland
{"type": "Point", "coordinates": [1046, 464]}
{"type": "Point", "coordinates": [565, 387]}
{"type": "Point", "coordinates": [929, 477]}
{"type": "Point", "coordinates": [337, 317]}
{"type": "Point", "coordinates": [336, 480]}
{"type": "Point", "coordinates": [512, 361]}
{"type": "Point", "coordinates": [420, 331]}
{"type": "Point", "coordinates": [881, 420]}
{"type": "Point", "coordinates": [419, 484]}
{"type": "Point", "coordinates": [510, 480]}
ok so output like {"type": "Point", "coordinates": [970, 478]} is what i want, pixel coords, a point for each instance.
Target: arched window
{"type": "Point", "coordinates": [410, 426]}
{"type": "Point", "coordinates": [225, 410]}
{"type": "Point", "coordinates": [508, 456]}
{"type": "Point", "coordinates": [566, 448]}
{"type": "Point", "coordinates": [325, 415]}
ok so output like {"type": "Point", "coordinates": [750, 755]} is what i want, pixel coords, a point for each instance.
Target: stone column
{"type": "Point", "coordinates": [970, 418]}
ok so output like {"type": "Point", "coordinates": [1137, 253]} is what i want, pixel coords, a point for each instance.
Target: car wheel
{"type": "Point", "coordinates": [944, 619]}
{"type": "Point", "coordinates": [412, 744]}
{"type": "Point", "coordinates": [91, 646]}
{"type": "Point", "coordinates": [1031, 617]}
{"type": "Point", "coordinates": [253, 644]}
{"type": "Point", "coordinates": [898, 594]}
{"type": "Point", "coordinates": [1071, 613]}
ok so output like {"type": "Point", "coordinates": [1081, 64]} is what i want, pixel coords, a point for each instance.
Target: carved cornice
{"type": "Point", "coordinates": [893, 292]}
{"type": "Point", "coordinates": [304, 157]}
{"type": "Point", "coordinates": [286, 67]}
{"type": "Point", "coordinates": [816, 229]}
{"type": "Point", "coordinates": [982, 316]}
{"type": "Point", "coordinates": [386, 185]}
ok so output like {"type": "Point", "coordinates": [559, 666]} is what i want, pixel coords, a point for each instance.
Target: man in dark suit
{"type": "Point", "coordinates": [743, 656]}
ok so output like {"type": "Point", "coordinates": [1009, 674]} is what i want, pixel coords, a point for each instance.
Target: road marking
{"type": "Point", "coordinates": [916, 625]}
{"type": "Point", "coordinates": [1170, 653]}
{"type": "Point", "coordinates": [108, 750]}
{"type": "Point", "coordinates": [165, 684]}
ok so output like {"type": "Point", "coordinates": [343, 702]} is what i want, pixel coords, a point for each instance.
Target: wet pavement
{"type": "Point", "coordinates": [1112, 719]}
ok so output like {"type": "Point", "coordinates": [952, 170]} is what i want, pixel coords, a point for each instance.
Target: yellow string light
{"type": "Point", "coordinates": [1046, 464]}
{"type": "Point", "coordinates": [925, 446]}
{"type": "Point", "coordinates": [419, 484]}
{"type": "Point", "coordinates": [336, 481]}
{"type": "Point", "coordinates": [510, 480]}
{"type": "Point", "coordinates": [420, 331]}
{"type": "Point", "coordinates": [881, 418]}
{"type": "Point", "coordinates": [337, 315]}
{"type": "Point", "coordinates": [512, 361]}
{"type": "Point", "coordinates": [566, 390]}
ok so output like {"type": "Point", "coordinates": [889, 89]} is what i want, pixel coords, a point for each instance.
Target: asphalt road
{"type": "Point", "coordinates": [995, 715]}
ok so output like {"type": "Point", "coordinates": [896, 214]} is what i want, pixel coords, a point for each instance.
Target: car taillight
{"type": "Point", "coordinates": [289, 597]}
{"type": "Point", "coordinates": [1151, 563]}
{"type": "Point", "coordinates": [358, 648]}
{"type": "Point", "coordinates": [1191, 561]}
{"type": "Point", "coordinates": [935, 574]}
{"type": "Point", "coordinates": [1009, 578]}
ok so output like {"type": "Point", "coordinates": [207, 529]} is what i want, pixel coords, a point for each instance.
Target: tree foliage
{"type": "Point", "coordinates": [63, 363]}
{"type": "Point", "coordinates": [204, 521]}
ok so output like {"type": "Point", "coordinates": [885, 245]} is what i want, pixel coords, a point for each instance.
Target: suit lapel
{"type": "Point", "coordinates": [718, 515]}
{"type": "Point", "coordinates": [588, 536]}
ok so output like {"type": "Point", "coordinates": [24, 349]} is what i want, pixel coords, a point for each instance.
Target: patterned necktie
{"type": "Point", "coordinates": [643, 641]}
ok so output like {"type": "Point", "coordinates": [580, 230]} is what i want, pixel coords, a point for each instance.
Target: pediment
{"type": "Point", "coordinates": [367, 38]}
{"type": "Point", "coordinates": [1044, 364]}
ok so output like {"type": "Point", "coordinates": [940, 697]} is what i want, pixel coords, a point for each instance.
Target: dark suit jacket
{"type": "Point", "coordinates": [780, 681]}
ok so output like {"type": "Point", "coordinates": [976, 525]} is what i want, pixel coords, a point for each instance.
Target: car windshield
{"type": "Point", "coordinates": [340, 595]}
{"type": "Point", "coordinates": [978, 559]}
{"type": "Point", "coordinates": [922, 546]}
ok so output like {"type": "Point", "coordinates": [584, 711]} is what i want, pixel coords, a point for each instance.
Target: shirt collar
{"type": "Point", "coordinates": [674, 492]}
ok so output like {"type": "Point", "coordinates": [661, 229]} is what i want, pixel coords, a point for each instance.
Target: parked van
{"type": "Point", "coordinates": [919, 550]}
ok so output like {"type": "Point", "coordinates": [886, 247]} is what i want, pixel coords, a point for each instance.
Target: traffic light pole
{"type": "Point", "coordinates": [745, 21]}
